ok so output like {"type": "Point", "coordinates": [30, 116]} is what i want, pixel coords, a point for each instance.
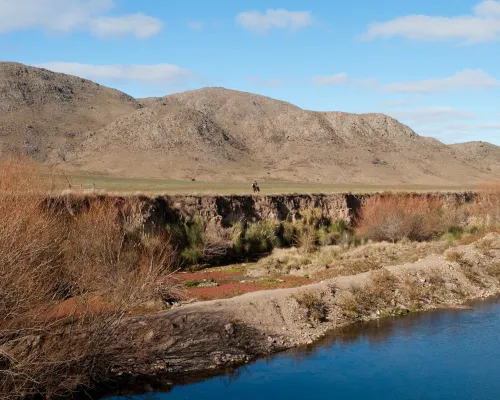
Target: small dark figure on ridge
{"type": "Point", "coordinates": [255, 187]}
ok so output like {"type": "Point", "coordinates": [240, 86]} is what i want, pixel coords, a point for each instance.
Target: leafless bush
{"type": "Point", "coordinates": [395, 217]}
{"type": "Point", "coordinates": [66, 280]}
{"type": "Point", "coordinates": [486, 209]}
{"type": "Point", "coordinates": [216, 241]}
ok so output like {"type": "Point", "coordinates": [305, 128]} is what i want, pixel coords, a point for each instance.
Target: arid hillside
{"type": "Point", "coordinates": [483, 154]}
{"type": "Point", "coordinates": [215, 134]}
{"type": "Point", "coordinates": [46, 114]}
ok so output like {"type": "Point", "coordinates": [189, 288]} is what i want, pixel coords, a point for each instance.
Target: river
{"type": "Point", "coordinates": [446, 354]}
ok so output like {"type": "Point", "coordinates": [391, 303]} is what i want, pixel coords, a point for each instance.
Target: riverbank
{"type": "Point", "coordinates": [84, 276]}
{"type": "Point", "coordinates": [213, 335]}
{"type": "Point", "coordinates": [439, 354]}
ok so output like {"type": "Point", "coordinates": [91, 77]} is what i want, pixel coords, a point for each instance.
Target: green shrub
{"type": "Point", "coordinates": [237, 237]}
{"type": "Point", "coordinates": [260, 237]}
{"type": "Point", "coordinates": [201, 240]}
{"type": "Point", "coordinates": [312, 216]}
{"type": "Point", "coordinates": [288, 233]}
{"type": "Point", "coordinates": [191, 256]}
{"type": "Point", "coordinates": [340, 226]}
{"type": "Point", "coordinates": [454, 233]}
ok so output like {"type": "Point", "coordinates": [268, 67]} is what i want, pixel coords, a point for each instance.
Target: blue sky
{"type": "Point", "coordinates": [434, 65]}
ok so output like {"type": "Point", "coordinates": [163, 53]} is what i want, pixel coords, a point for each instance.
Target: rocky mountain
{"type": "Point", "coordinates": [46, 114]}
{"type": "Point", "coordinates": [483, 154]}
{"type": "Point", "coordinates": [217, 134]}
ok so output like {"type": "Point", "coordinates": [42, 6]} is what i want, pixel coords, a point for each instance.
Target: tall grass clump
{"type": "Point", "coordinates": [203, 242]}
{"type": "Point", "coordinates": [260, 237]}
{"type": "Point", "coordinates": [66, 280]}
{"type": "Point", "coordinates": [397, 217]}
{"type": "Point", "coordinates": [313, 229]}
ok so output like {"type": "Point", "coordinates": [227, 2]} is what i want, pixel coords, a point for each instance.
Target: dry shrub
{"type": "Point", "coordinates": [471, 272]}
{"type": "Point", "coordinates": [485, 245]}
{"type": "Point", "coordinates": [395, 217]}
{"type": "Point", "coordinates": [423, 288]}
{"type": "Point", "coordinates": [486, 209]}
{"type": "Point", "coordinates": [315, 306]}
{"type": "Point", "coordinates": [205, 241]}
{"type": "Point", "coordinates": [103, 256]}
{"type": "Point", "coordinates": [308, 239]}
{"type": "Point", "coordinates": [30, 243]}
{"type": "Point", "coordinates": [456, 256]}
{"type": "Point", "coordinates": [65, 283]}
{"type": "Point", "coordinates": [376, 295]}
{"type": "Point", "coordinates": [493, 269]}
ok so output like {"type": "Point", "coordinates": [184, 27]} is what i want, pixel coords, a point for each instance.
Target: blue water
{"type": "Point", "coordinates": [452, 354]}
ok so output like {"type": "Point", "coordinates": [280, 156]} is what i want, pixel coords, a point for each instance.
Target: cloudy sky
{"type": "Point", "coordinates": [434, 65]}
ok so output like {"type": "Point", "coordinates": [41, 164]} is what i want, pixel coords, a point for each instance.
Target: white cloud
{"type": "Point", "coordinates": [256, 81]}
{"type": "Point", "coordinates": [260, 23]}
{"type": "Point", "coordinates": [468, 79]}
{"type": "Point", "coordinates": [335, 79]}
{"type": "Point", "coordinates": [167, 74]}
{"type": "Point", "coordinates": [195, 25]}
{"type": "Point", "coordinates": [491, 125]}
{"type": "Point", "coordinates": [139, 25]}
{"type": "Point", "coordinates": [453, 132]}
{"type": "Point", "coordinates": [472, 79]}
{"type": "Point", "coordinates": [482, 26]}
{"type": "Point", "coordinates": [63, 16]}
{"type": "Point", "coordinates": [488, 8]}
{"type": "Point", "coordinates": [449, 134]}
{"type": "Point", "coordinates": [395, 103]}
{"type": "Point", "coordinates": [431, 115]}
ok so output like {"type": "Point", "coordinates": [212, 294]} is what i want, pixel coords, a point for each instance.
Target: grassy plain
{"type": "Point", "coordinates": [122, 185]}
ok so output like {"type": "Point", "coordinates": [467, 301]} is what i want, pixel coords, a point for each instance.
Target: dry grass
{"type": "Point", "coordinates": [396, 217]}
{"type": "Point", "coordinates": [421, 289]}
{"type": "Point", "coordinates": [65, 282]}
{"type": "Point", "coordinates": [203, 241]}
{"type": "Point", "coordinates": [493, 269]}
{"type": "Point", "coordinates": [469, 269]}
{"type": "Point", "coordinates": [387, 294]}
{"type": "Point", "coordinates": [332, 261]}
{"type": "Point", "coordinates": [361, 301]}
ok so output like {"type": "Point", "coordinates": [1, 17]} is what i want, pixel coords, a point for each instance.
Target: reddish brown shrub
{"type": "Point", "coordinates": [66, 279]}
{"type": "Point", "coordinates": [394, 217]}
{"type": "Point", "coordinates": [486, 209]}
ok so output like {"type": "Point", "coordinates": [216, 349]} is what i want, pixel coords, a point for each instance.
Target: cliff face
{"type": "Point", "coordinates": [229, 209]}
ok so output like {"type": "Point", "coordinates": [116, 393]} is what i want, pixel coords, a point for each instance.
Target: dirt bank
{"type": "Point", "coordinates": [163, 210]}
{"type": "Point", "coordinates": [207, 336]}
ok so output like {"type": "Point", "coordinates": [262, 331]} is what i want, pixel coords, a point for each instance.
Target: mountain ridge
{"type": "Point", "coordinates": [218, 134]}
